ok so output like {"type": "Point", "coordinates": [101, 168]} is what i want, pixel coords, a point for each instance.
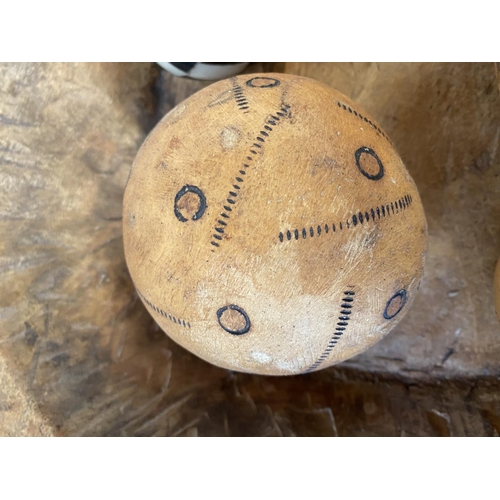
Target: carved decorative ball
{"type": "Point", "coordinates": [271, 227]}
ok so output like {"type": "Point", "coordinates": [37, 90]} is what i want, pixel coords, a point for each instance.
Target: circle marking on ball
{"type": "Point", "coordinates": [201, 207]}
{"type": "Point", "coordinates": [242, 316]}
{"type": "Point", "coordinates": [254, 82]}
{"type": "Point", "coordinates": [402, 297]}
{"type": "Point", "coordinates": [369, 151]}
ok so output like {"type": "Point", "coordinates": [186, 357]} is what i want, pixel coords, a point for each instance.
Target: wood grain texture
{"type": "Point", "coordinates": [496, 285]}
{"type": "Point", "coordinates": [79, 353]}
{"type": "Point", "coordinates": [270, 226]}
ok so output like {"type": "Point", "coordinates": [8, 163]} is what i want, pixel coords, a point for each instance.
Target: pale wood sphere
{"type": "Point", "coordinates": [271, 227]}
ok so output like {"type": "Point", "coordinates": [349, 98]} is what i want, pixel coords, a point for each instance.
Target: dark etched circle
{"type": "Point", "coordinates": [202, 205]}
{"type": "Point", "coordinates": [244, 315]}
{"type": "Point", "coordinates": [369, 151]}
{"type": "Point", "coordinates": [401, 295]}
{"type": "Point", "coordinates": [263, 82]}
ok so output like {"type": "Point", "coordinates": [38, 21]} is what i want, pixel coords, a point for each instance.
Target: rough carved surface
{"type": "Point", "coordinates": [278, 237]}
{"type": "Point", "coordinates": [80, 355]}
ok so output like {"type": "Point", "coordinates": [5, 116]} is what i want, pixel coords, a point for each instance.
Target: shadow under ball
{"type": "Point", "coordinates": [271, 227]}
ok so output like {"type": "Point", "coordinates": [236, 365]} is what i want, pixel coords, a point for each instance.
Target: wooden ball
{"type": "Point", "coordinates": [271, 227]}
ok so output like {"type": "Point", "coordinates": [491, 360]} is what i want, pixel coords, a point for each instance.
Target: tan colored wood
{"type": "Point", "coordinates": [271, 227]}
{"type": "Point", "coordinates": [19, 414]}
{"type": "Point", "coordinates": [84, 354]}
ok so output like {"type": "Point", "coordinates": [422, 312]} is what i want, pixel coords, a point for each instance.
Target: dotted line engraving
{"type": "Point", "coordinates": [343, 323]}
{"type": "Point", "coordinates": [177, 321]}
{"type": "Point", "coordinates": [374, 214]}
{"type": "Point", "coordinates": [348, 109]}
{"type": "Point", "coordinates": [241, 100]}
{"type": "Point", "coordinates": [255, 149]}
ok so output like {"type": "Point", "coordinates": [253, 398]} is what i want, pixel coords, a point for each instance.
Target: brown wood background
{"type": "Point", "coordinates": [79, 354]}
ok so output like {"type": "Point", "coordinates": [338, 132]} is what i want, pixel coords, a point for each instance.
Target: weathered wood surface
{"type": "Point", "coordinates": [276, 226]}
{"type": "Point", "coordinates": [79, 354]}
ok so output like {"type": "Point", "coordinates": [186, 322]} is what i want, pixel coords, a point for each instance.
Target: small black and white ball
{"type": "Point", "coordinates": [204, 70]}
